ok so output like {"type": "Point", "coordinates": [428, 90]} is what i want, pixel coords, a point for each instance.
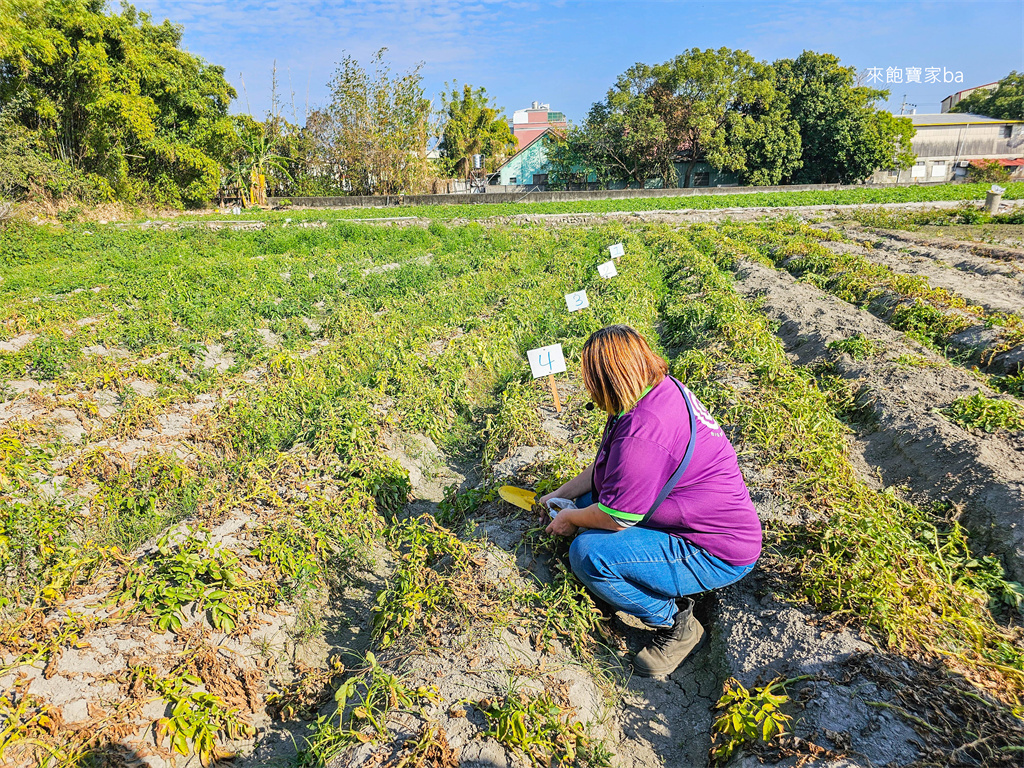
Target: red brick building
{"type": "Point", "coordinates": [528, 124]}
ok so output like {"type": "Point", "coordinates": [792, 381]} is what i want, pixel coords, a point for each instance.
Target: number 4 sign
{"type": "Point", "coordinates": [616, 251]}
{"type": "Point", "coordinates": [547, 361]}
{"type": "Point", "coordinates": [577, 301]}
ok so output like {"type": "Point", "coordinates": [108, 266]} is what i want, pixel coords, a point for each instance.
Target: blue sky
{"type": "Point", "coordinates": [568, 52]}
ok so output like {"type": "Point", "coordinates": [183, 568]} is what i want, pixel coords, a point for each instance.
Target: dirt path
{"type": "Point", "coordinates": [913, 443]}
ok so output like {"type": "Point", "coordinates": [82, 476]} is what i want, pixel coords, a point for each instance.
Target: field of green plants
{"type": "Point", "coordinates": [210, 542]}
{"type": "Point", "coordinates": [866, 195]}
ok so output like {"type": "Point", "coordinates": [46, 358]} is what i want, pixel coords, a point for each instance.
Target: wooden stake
{"type": "Point", "coordinates": [554, 392]}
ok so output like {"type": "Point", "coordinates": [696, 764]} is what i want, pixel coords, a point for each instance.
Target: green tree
{"type": "Point", "coordinates": [722, 106]}
{"type": "Point", "coordinates": [623, 138]}
{"type": "Point", "coordinates": [1006, 102]}
{"type": "Point", "coordinates": [572, 163]}
{"type": "Point", "coordinates": [472, 126]}
{"type": "Point", "coordinates": [844, 139]}
{"type": "Point", "coordinates": [373, 133]}
{"type": "Point", "coordinates": [115, 95]}
{"type": "Point", "coordinates": [989, 171]}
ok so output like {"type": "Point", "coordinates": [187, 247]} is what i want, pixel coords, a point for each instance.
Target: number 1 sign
{"type": "Point", "coordinates": [577, 301]}
{"type": "Point", "coordinates": [616, 251]}
{"type": "Point", "coordinates": [547, 361]}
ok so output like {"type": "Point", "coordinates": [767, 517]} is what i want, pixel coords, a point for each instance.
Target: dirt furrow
{"type": "Point", "coordinates": [1014, 257]}
{"type": "Point", "coordinates": [972, 277]}
{"type": "Point", "coordinates": [913, 443]}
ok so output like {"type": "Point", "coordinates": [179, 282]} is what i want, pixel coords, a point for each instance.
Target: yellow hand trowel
{"type": "Point", "coordinates": [519, 497]}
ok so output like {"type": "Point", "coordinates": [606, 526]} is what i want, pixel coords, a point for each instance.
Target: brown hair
{"type": "Point", "coordinates": [618, 365]}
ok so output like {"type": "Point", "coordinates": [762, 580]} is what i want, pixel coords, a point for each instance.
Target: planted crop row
{"type": "Point", "coordinates": [865, 195]}
{"type": "Point", "coordinates": [909, 303]}
{"type": "Point", "coordinates": [898, 567]}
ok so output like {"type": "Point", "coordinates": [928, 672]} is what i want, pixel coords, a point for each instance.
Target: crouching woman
{"type": "Point", "coordinates": [665, 508]}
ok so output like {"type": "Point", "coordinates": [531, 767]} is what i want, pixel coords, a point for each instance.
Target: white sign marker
{"type": "Point", "coordinates": [607, 270]}
{"type": "Point", "coordinates": [576, 301]}
{"type": "Point", "coordinates": [616, 251]}
{"type": "Point", "coordinates": [546, 360]}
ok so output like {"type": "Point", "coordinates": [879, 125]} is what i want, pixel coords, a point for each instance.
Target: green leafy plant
{"type": "Point", "coordinates": [540, 728]}
{"type": "Point", "coordinates": [748, 716]}
{"type": "Point", "coordinates": [363, 701]}
{"type": "Point", "coordinates": [191, 570]}
{"type": "Point", "coordinates": [197, 717]}
{"type": "Point", "coordinates": [986, 413]}
{"type": "Point", "coordinates": [858, 346]}
{"type": "Point", "coordinates": [417, 593]}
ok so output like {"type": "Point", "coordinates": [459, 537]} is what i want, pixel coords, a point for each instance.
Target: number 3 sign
{"type": "Point", "coordinates": [577, 301]}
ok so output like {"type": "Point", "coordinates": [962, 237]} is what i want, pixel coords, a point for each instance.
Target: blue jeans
{"type": "Point", "coordinates": [642, 571]}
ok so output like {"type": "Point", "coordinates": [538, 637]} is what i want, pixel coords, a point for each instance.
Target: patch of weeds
{"type": "Point", "coordinates": [135, 412]}
{"type": "Point", "coordinates": [455, 507]}
{"type": "Point", "coordinates": [748, 716]}
{"type": "Point", "coordinates": [137, 500]}
{"type": "Point", "coordinates": [986, 413]}
{"type": "Point", "coordinates": [309, 621]}
{"type": "Point", "coordinates": [197, 717]}
{"type": "Point", "coordinates": [51, 356]}
{"type": "Point", "coordinates": [514, 424]}
{"type": "Point", "coordinates": [364, 702]}
{"type": "Point", "coordinates": [564, 609]}
{"type": "Point", "coordinates": [858, 346]}
{"type": "Point", "coordinates": [192, 570]}
{"type": "Point", "coordinates": [912, 360]}
{"type": "Point", "coordinates": [418, 594]}
{"type": "Point", "coordinates": [1011, 385]}
{"type": "Point", "coordinates": [925, 323]}
{"type": "Point", "coordinates": [546, 732]}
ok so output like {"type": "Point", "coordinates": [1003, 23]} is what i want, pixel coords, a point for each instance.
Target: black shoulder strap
{"type": "Point", "coordinates": [674, 480]}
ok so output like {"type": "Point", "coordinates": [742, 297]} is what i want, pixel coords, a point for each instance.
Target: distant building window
{"type": "Point", "coordinates": [939, 170]}
{"type": "Point", "coordinates": [512, 180]}
{"type": "Point", "coordinates": [540, 178]}
{"type": "Point", "coordinates": [1007, 131]}
{"type": "Point", "coordinates": [702, 179]}
{"type": "Point", "coordinates": [890, 172]}
{"type": "Point", "coordinates": [918, 171]}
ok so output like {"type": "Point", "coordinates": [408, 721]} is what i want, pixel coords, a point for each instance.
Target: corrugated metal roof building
{"type": "Point", "coordinates": [946, 144]}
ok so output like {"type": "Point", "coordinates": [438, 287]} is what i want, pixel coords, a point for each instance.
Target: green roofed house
{"type": "Point", "coordinates": [529, 166]}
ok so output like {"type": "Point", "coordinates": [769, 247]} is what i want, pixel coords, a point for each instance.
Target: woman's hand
{"type": "Point", "coordinates": [542, 509]}
{"type": "Point", "coordinates": [543, 500]}
{"type": "Point", "coordinates": [562, 525]}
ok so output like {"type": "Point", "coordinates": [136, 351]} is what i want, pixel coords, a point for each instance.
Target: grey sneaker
{"type": "Point", "coordinates": [671, 645]}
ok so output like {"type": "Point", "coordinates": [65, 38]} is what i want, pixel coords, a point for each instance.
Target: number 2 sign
{"type": "Point", "coordinates": [577, 301]}
{"type": "Point", "coordinates": [607, 270]}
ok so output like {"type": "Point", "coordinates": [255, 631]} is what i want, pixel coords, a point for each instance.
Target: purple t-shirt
{"type": "Point", "coordinates": [709, 507]}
